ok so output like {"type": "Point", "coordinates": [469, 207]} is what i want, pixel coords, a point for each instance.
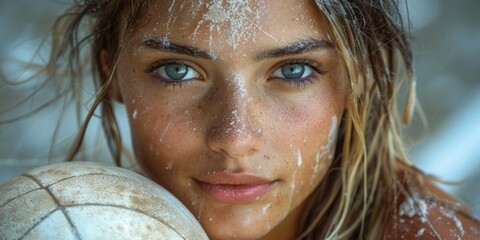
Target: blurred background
{"type": "Point", "coordinates": [446, 43]}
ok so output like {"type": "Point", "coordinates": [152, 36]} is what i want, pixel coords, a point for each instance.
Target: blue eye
{"type": "Point", "coordinates": [176, 72]}
{"type": "Point", "coordinates": [293, 71]}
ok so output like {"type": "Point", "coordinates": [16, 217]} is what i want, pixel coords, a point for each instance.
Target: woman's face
{"type": "Point", "coordinates": [234, 107]}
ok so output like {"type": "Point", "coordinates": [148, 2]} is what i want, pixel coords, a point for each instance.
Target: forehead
{"type": "Point", "coordinates": [233, 24]}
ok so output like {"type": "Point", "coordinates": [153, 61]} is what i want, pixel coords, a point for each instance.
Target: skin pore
{"type": "Point", "coordinates": [246, 132]}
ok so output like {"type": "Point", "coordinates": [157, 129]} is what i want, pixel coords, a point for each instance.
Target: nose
{"type": "Point", "coordinates": [235, 131]}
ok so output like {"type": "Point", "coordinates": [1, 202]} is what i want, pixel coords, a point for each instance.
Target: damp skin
{"type": "Point", "coordinates": [419, 217]}
{"type": "Point", "coordinates": [235, 119]}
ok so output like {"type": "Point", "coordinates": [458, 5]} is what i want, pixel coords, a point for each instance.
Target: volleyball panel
{"type": "Point", "coordinates": [23, 212]}
{"type": "Point", "coordinates": [141, 194]}
{"type": "Point", "coordinates": [53, 173]}
{"type": "Point", "coordinates": [118, 223]}
{"type": "Point", "coordinates": [16, 187]}
{"type": "Point", "coordinates": [54, 226]}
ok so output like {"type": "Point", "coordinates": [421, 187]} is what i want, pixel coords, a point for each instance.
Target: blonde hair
{"type": "Point", "coordinates": [369, 36]}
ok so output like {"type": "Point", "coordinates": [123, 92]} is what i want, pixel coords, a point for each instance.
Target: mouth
{"type": "Point", "coordinates": [234, 188]}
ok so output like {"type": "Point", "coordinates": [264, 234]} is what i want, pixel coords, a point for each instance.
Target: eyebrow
{"type": "Point", "coordinates": [163, 44]}
{"type": "Point", "coordinates": [302, 46]}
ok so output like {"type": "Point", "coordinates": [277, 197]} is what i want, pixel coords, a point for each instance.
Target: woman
{"type": "Point", "coordinates": [267, 119]}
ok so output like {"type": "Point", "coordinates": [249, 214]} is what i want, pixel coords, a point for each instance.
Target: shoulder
{"type": "Point", "coordinates": [423, 211]}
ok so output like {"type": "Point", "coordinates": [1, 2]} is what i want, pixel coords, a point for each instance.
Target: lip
{"type": "Point", "coordinates": [234, 188]}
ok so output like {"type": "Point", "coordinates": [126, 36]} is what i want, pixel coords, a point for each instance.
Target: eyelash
{"type": "Point", "coordinates": [301, 82]}
{"type": "Point", "coordinates": [296, 83]}
{"type": "Point", "coordinates": [167, 82]}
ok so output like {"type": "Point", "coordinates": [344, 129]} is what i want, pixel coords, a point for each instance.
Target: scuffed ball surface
{"type": "Point", "coordinates": [84, 200]}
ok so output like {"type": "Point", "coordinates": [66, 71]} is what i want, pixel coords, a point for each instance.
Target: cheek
{"type": "Point", "coordinates": [312, 161]}
{"type": "Point", "coordinates": [160, 126]}
{"type": "Point", "coordinates": [305, 123]}
{"type": "Point", "coordinates": [317, 156]}
{"type": "Point", "coordinates": [161, 136]}
{"type": "Point", "coordinates": [306, 133]}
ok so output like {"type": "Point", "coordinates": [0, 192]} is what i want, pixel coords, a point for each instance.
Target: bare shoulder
{"type": "Point", "coordinates": [427, 212]}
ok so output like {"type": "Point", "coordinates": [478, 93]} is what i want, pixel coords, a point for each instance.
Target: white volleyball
{"type": "Point", "coordinates": [84, 200]}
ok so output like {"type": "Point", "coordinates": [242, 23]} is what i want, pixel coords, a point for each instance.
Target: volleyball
{"type": "Point", "coordinates": [85, 200]}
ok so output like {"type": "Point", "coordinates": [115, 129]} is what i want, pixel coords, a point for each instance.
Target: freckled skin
{"type": "Point", "coordinates": [428, 218]}
{"type": "Point", "coordinates": [235, 118]}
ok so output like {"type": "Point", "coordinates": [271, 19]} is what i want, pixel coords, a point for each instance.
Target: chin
{"type": "Point", "coordinates": [235, 228]}
{"type": "Point", "coordinates": [231, 235]}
